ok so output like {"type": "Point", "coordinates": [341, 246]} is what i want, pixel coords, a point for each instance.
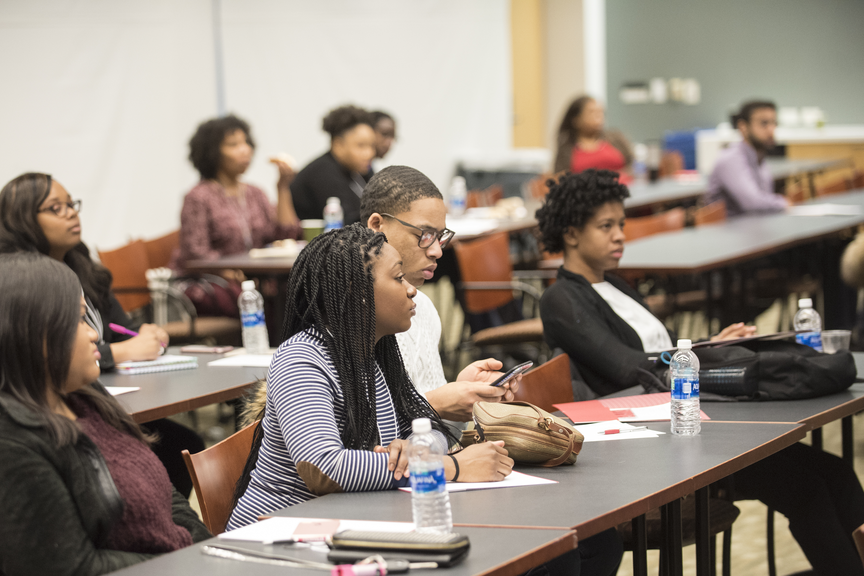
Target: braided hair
{"type": "Point", "coordinates": [331, 288]}
{"type": "Point", "coordinates": [573, 200]}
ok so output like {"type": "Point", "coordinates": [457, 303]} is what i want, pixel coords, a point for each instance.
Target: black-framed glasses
{"type": "Point", "coordinates": [61, 209]}
{"type": "Point", "coordinates": [427, 235]}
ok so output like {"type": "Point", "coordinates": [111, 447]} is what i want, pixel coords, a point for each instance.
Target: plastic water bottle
{"type": "Point", "coordinates": [684, 371]}
{"type": "Point", "coordinates": [251, 304]}
{"type": "Point", "coordinates": [333, 215]}
{"type": "Point", "coordinates": [458, 195]}
{"type": "Point", "coordinates": [808, 319]}
{"type": "Point", "coordinates": [429, 498]}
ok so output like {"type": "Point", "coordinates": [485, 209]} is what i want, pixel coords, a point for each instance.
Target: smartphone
{"type": "Point", "coordinates": [521, 368]}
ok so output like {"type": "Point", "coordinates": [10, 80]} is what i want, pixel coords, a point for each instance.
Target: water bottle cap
{"type": "Point", "coordinates": [685, 344]}
{"type": "Point", "coordinates": [247, 285]}
{"type": "Point", "coordinates": [334, 200]}
{"type": "Point", "coordinates": [805, 303]}
{"type": "Point", "coordinates": [421, 426]}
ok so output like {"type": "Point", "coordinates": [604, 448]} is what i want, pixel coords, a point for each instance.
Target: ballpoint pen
{"type": "Point", "coordinates": [624, 430]}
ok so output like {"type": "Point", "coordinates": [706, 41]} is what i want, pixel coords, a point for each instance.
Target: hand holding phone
{"type": "Point", "coordinates": [520, 369]}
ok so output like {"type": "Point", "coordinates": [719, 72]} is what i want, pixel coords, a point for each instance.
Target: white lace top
{"type": "Point", "coordinates": [419, 347]}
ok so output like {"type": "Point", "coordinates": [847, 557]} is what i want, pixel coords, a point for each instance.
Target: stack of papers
{"type": "Point", "coordinates": [825, 210]}
{"type": "Point", "coordinates": [642, 408]}
{"type": "Point", "coordinates": [248, 360]}
{"type": "Point", "coordinates": [280, 529]}
{"type": "Point", "coordinates": [166, 363]}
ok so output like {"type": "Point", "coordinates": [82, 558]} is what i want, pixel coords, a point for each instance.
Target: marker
{"type": "Point", "coordinates": [624, 431]}
{"type": "Point", "coordinates": [123, 330]}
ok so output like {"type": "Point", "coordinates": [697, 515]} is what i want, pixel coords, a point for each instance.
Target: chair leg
{"type": "Point", "coordinates": [769, 535]}
{"type": "Point", "coordinates": [727, 552]}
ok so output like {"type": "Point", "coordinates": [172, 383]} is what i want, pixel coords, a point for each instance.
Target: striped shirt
{"type": "Point", "coordinates": [304, 416]}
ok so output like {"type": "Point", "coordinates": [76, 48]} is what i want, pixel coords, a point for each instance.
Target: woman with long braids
{"type": "Point", "coordinates": [339, 403]}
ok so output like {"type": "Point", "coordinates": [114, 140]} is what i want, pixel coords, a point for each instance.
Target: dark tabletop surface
{"type": "Point", "coordinates": [610, 483]}
{"type": "Point", "coordinates": [494, 552]}
{"type": "Point", "coordinates": [164, 394]}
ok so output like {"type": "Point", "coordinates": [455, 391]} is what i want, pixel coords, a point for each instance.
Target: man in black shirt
{"type": "Point", "coordinates": [341, 172]}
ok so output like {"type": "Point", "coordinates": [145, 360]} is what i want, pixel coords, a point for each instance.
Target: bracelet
{"type": "Point", "coordinates": [456, 464]}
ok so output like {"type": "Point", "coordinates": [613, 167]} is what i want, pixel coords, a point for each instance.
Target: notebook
{"type": "Point", "coordinates": [165, 363]}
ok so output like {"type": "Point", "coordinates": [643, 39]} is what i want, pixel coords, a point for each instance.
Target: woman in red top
{"type": "Point", "coordinates": [583, 144]}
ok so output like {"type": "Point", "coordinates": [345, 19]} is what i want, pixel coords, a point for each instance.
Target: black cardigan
{"type": "Point", "coordinates": [320, 179]}
{"type": "Point", "coordinates": [604, 348]}
{"type": "Point", "coordinates": [114, 315]}
{"type": "Point", "coordinates": [58, 505]}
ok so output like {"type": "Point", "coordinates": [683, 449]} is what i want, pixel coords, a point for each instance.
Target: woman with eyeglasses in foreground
{"type": "Point", "coordinates": [339, 403]}
{"type": "Point", "coordinates": [80, 491]}
{"type": "Point", "coordinates": [37, 214]}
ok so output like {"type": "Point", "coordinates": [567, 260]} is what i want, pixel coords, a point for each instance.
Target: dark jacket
{"type": "Point", "coordinates": [57, 505]}
{"type": "Point", "coordinates": [604, 348]}
{"type": "Point", "coordinates": [320, 179]}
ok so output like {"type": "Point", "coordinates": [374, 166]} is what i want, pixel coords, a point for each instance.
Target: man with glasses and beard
{"type": "Point", "coordinates": [741, 176]}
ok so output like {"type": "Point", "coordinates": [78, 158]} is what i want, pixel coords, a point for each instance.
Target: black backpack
{"type": "Point", "coordinates": [764, 370]}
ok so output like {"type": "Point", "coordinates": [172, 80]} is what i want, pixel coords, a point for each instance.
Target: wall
{"type": "Point", "coordinates": [105, 95]}
{"type": "Point", "coordinates": [565, 61]}
{"type": "Point", "coordinates": [796, 52]}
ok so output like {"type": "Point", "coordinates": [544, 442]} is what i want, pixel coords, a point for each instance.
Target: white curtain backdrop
{"type": "Point", "coordinates": [105, 95]}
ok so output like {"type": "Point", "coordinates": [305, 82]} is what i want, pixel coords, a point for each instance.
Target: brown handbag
{"type": "Point", "coordinates": [530, 434]}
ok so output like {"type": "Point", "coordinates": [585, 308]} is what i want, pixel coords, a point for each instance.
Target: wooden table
{"type": "Point", "coordinates": [494, 552]}
{"type": "Point", "coordinates": [164, 394]}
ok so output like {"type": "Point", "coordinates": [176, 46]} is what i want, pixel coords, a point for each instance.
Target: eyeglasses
{"type": "Point", "coordinates": [61, 209]}
{"type": "Point", "coordinates": [427, 235]}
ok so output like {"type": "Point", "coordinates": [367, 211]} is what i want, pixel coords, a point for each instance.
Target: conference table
{"type": "Point", "coordinates": [494, 552]}
{"type": "Point", "coordinates": [164, 394]}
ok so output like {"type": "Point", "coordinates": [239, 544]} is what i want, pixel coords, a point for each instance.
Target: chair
{"type": "Point", "coordinates": [714, 212]}
{"type": "Point", "coordinates": [858, 536]}
{"type": "Point", "coordinates": [159, 250]}
{"type": "Point", "coordinates": [858, 179]}
{"type": "Point", "coordinates": [670, 163]}
{"type": "Point", "coordinates": [484, 198]}
{"type": "Point", "coordinates": [655, 224]}
{"type": "Point", "coordinates": [215, 472]}
{"type": "Point", "coordinates": [129, 264]}
{"type": "Point", "coordinates": [522, 331]}
{"type": "Point", "coordinates": [487, 279]}
{"type": "Point", "coordinates": [547, 384]}
{"type": "Point", "coordinates": [834, 188]}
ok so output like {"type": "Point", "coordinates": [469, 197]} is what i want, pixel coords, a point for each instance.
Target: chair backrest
{"type": "Point", "coordinates": [486, 259]}
{"type": "Point", "coordinates": [837, 187]}
{"type": "Point", "coordinates": [858, 536]}
{"type": "Point", "coordinates": [858, 179]}
{"type": "Point", "coordinates": [215, 472]}
{"type": "Point", "coordinates": [714, 212]}
{"type": "Point", "coordinates": [647, 225]}
{"type": "Point", "coordinates": [128, 265]}
{"type": "Point", "coordinates": [547, 384]}
{"type": "Point", "coordinates": [795, 194]}
{"type": "Point", "coordinates": [671, 163]}
{"type": "Point", "coordinates": [159, 250]}
{"type": "Point", "coordinates": [483, 198]}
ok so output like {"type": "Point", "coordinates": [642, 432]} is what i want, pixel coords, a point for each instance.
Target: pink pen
{"type": "Point", "coordinates": [123, 330]}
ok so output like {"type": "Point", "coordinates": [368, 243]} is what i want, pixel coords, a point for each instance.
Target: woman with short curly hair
{"type": "Point", "coordinates": [342, 171]}
{"type": "Point", "coordinates": [222, 215]}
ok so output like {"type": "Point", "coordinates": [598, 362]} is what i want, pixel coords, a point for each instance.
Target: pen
{"type": "Point", "coordinates": [123, 330]}
{"type": "Point", "coordinates": [624, 431]}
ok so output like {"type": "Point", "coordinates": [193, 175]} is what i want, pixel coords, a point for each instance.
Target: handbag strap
{"type": "Point", "coordinates": [563, 458]}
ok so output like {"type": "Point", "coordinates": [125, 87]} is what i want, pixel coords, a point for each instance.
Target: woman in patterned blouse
{"type": "Point", "coordinates": [222, 215]}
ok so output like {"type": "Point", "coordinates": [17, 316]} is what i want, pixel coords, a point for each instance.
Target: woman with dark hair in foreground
{"type": "Point", "coordinates": [80, 491]}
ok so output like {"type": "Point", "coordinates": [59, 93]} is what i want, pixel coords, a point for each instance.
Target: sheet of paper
{"type": "Point", "coordinates": [596, 432]}
{"type": "Point", "coordinates": [658, 413]}
{"type": "Point", "coordinates": [824, 210]}
{"type": "Point", "coordinates": [274, 529]}
{"type": "Point", "coordinates": [117, 390]}
{"type": "Point", "coordinates": [513, 480]}
{"type": "Point", "coordinates": [250, 360]}
{"type": "Point", "coordinates": [465, 226]}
